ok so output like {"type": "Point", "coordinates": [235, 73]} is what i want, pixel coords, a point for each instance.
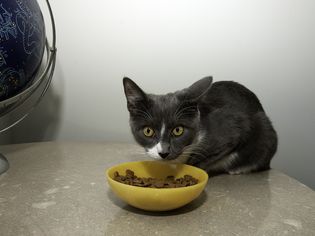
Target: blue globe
{"type": "Point", "coordinates": [22, 44]}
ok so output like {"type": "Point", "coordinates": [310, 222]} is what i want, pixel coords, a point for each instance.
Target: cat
{"type": "Point", "coordinates": [220, 127]}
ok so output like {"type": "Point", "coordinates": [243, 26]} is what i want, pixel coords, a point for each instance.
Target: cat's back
{"type": "Point", "coordinates": [233, 95]}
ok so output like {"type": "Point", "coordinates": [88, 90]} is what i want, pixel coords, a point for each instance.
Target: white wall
{"type": "Point", "coordinates": [268, 45]}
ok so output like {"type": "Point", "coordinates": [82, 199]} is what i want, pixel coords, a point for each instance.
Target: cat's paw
{"type": "Point", "coordinates": [235, 172]}
{"type": "Point", "coordinates": [193, 161]}
{"type": "Point", "coordinates": [181, 159]}
{"type": "Point", "coordinates": [240, 171]}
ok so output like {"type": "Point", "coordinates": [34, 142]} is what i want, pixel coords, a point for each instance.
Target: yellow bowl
{"type": "Point", "coordinates": [153, 199]}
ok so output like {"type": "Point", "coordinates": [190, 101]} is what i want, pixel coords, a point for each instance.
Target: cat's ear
{"type": "Point", "coordinates": [133, 92]}
{"type": "Point", "coordinates": [199, 88]}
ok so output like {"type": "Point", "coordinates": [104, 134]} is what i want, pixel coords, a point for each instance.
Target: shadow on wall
{"type": "Point", "coordinates": [43, 123]}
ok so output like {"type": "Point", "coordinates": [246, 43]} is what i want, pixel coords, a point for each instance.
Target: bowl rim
{"type": "Point", "coordinates": [199, 184]}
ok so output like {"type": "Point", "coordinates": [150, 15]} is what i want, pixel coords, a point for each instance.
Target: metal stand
{"type": "Point", "coordinates": [4, 164]}
{"type": "Point", "coordinates": [44, 78]}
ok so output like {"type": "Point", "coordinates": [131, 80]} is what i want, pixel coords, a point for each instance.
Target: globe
{"type": "Point", "coordinates": [22, 44]}
{"type": "Point", "coordinates": [27, 61]}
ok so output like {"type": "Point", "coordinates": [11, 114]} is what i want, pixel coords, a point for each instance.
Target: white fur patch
{"type": "Point", "coordinates": [162, 129]}
{"type": "Point", "coordinates": [226, 162]}
{"type": "Point", "coordinates": [242, 170]}
{"type": "Point", "coordinates": [154, 151]}
{"type": "Point", "coordinates": [200, 137]}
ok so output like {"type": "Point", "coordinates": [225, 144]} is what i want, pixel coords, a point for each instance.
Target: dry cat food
{"type": "Point", "coordinates": [170, 182]}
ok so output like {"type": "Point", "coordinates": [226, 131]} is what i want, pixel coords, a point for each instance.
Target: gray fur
{"type": "Point", "coordinates": [225, 127]}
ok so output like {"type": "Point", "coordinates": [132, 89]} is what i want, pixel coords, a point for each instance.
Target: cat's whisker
{"type": "Point", "coordinates": [186, 114]}
{"type": "Point", "coordinates": [145, 113]}
{"type": "Point", "coordinates": [179, 107]}
{"type": "Point", "coordinates": [181, 112]}
{"type": "Point", "coordinates": [143, 116]}
{"type": "Point", "coordinates": [140, 153]}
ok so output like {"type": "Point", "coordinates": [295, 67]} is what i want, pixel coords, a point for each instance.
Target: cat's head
{"type": "Point", "coordinates": [165, 125]}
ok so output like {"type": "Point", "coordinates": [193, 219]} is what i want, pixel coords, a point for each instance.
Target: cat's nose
{"type": "Point", "coordinates": [164, 154]}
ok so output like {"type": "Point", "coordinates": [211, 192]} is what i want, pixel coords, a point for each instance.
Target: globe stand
{"type": "Point", "coordinates": [42, 81]}
{"type": "Point", "coordinates": [4, 164]}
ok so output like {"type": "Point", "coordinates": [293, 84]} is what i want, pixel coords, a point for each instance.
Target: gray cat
{"type": "Point", "coordinates": [219, 127]}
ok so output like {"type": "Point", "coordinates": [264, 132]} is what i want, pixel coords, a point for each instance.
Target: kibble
{"type": "Point", "coordinates": [169, 182]}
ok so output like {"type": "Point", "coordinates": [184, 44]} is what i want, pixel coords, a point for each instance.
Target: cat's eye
{"type": "Point", "coordinates": [148, 132]}
{"type": "Point", "coordinates": [178, 131]}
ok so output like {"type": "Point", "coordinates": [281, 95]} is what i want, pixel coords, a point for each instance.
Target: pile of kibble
{"type": "Point", "coordinates": [170, 182]}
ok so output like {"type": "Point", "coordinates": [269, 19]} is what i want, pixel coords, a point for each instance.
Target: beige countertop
{"type": "Point", "coordinates": [60, 189]}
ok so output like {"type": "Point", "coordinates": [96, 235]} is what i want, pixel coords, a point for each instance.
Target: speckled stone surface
{"type": "Point", "coordinates": [60, 189]}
